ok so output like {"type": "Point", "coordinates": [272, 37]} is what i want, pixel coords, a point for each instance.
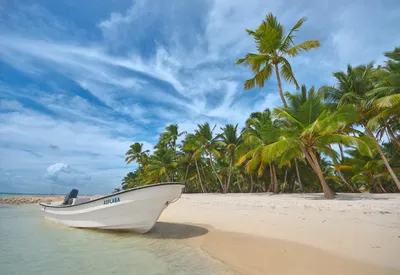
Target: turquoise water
{"type": "Point", "coordinates": [30, 244]}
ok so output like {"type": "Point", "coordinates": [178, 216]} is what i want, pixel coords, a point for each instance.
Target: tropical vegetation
{"type": "Point", "coordinates": [340, 138]}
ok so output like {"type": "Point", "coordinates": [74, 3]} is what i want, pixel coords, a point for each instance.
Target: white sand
{"type": "Point", "coordinates": [363, 227]}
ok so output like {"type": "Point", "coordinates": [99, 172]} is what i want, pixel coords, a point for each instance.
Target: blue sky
{"type": "Point", "coordinates": [80, 81]}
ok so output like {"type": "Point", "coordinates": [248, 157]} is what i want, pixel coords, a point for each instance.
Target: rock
{"type": "Point", "coordinates": [30, 199]}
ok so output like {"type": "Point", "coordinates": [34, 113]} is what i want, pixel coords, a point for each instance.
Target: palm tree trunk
{"type": "Point", "coordinates": [380, 185]}
{"type": "Point", "coordinates": [238, 182]}
{"type": "Point", "coordinates": [251, 183]}
{"type": "Point", "coordinates": [298, 175]}
{"type": "Point", "coordinates": [276, 187]}
{"type": "Point", "coordinates": [372, 189]}
{"type": "Point", "coordinates": [328, 193]}
{"type": "Point", "coordinates": [309, 160]}
{"type": "Point", "coordinates": [271, 185]}
{"type": "Point", "coordinates": [199, 176]}
{"type": "Point", "coordinates": [201, 186]}
{"type": "Point", "coordinates": [229, 176]}
{"type": "Point", "coordinates": [215, 173]}
{"type": "Point", "coordinates": [243, 177]}
{"type": "Point", "coordinates": [391, 172]}
{"type": "Point", "coordinates": [285, 182]}
{"type": "Point", "coordinates": [280, 86]}
{"type": "Point", "coordinates": [285, 104]}
{"type": "Point", "coordinates": [341, 151]}
{"type": "Point", "coordinates": [186, 173]}
{"type": "Point", "coordinates": [166, 174]}
{"type": "Point", "coordinates": [352, 189]}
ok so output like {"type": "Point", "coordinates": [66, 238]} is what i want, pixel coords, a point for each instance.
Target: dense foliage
{"type": "Point", "coordinates": [341, 138]}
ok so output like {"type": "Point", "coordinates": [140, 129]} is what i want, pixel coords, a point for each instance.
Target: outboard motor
{"type": "Point", "coordinates": [71, 195]}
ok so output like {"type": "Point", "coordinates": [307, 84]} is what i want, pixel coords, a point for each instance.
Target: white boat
{"type": "Point", "coordinates": [136, 209]}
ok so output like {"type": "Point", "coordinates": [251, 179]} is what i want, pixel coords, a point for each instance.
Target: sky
{"type": "Point", "coordinates": [82, 80]}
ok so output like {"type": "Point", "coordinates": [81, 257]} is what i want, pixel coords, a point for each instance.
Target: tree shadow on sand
{"type": "Point", "coordinates": [163, 230]}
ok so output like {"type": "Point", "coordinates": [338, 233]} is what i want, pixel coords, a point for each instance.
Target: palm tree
{"type": "Point", "coordinates": [230, 141]}
{"type": "Point", "coordinates": [273, 49]}
{"type": "Point", "coordinates": [191, 146]}
{"type": "Point", "coordinates": [162, 162]}
{"type": "Point", "coordinates": [386, 97]}
{"type": "Point", "coordinates": [170, 136]}
{"type": "Point", "coordinates": [130, 180]}
{"type": "Point", "coordinates": [310, 130]}
{"type": "Point", "coordinates": [354, 87]}
{"type": "Point", "coordinates": [366, 171]}
{"type": "Point", "coordinates": [388, 89]}
{"type": "Point", "coordinates": [135, 153]}
{"type": "Point", "coordinates": [260, 131]}
{"type": "Point", "coordinates": [208, 144]}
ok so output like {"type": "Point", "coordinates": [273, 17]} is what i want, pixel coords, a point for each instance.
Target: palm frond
{"type": "Point", "coordinates": [277, 149]}
{"type": "Point", "coordinates": [249, 83]}
{"type": "Point", "coordinates": [389, 101]}
{"type": "Point", "coordinates": [363, 145]}
{"type": "Point", "coordinates": [288, 40]}
{"type": "Point", "coordinates": [284, 113]}
{"type": "Point", "coordinates": [305, 46]}
{"type": "Point", "coordinates": [263, 75]}
{"type": "Point", "coordinates": [287, 72]}
{"type": "Point", "coordinates": [373, 123]}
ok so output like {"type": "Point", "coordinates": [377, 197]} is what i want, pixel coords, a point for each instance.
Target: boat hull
{"type": "Point", "coordinates": [136, 209]}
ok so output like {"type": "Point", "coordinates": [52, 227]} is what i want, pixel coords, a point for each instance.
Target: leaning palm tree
{"type": "Point", "coordinates": [310, 130]}
{"type": "Point", "coordinates": [354, 87]}
{"type": "Point", "coordinates": [273, 49]}
{"type": "Point", "coordinates": [230, 140]}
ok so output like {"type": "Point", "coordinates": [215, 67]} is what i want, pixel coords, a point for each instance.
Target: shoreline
{"type": "Point", "coordinates": [294, 233]}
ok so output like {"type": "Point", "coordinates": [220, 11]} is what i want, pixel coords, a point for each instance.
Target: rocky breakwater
{"type": "Point", "coordinates": [30, 199]}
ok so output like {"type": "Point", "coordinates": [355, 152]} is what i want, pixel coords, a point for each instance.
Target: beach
{"type": "Point", "coordinates": [294, 233]}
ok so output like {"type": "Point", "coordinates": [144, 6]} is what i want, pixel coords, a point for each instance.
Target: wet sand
{"type": "Point", "coordinates": [292, 234]}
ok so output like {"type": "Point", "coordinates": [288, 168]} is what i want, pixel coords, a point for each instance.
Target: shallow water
{"type": "Point", "coordinates": [30, 244]}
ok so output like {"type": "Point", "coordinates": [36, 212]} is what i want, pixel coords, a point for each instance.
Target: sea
{"type": "Point", "coordinates": [29, 244]}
